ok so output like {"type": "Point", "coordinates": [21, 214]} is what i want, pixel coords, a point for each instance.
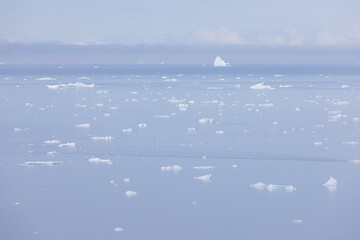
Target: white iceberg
{"type": "Point", "coordinates": [142, 125]}
{"type": "Point", "coordinates": [204, 178]}
{"type": "Point", "coordinates": [42, 163]}
{"type": "Point", "coordinates": [261, 86]}
{"type": "Point", "coordinates": [127, 180]}
{"type": "Point", "coordinates": [204, 167]}
{"type": "Point", "coordinates": [98, 160]}
{"type": "Point", "coordinates": [83, 125]}
{"type": "Point", "coordinates": [51, 142]}
{"type": "Point", "coordinates": [68, 145]}
{"type": "Point", "coordinates": [118, 229]}
{"type": "Point", "coordinates": [127, 130]}
{"type": "Point", "coordinates": [273, 187]}
{"type": "Point", "coordinates": [331, 184]}
{"type": "Point", "coordinates": [20, 129]}
{"type": "Point", "coordinates": [220, 63]}
{"type": "Point", "coordinates": [130, 193]}
{"type": "Point", "coordinates": [106, 138]}
{"type": "Point", "coordinates": [206, 120]}
{"type": "Point", "coordinates": [174, 168]}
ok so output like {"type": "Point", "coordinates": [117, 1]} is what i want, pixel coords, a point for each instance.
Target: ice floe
{"type": "Point", "coordinates": [273, 187]}
{"type": "Point", "coordinates": [127, 180]}
{"type": "Point", "coordinates": [130, 193]}
{"type": "Point", "coordinates": [142, 125]}
{"type": "Point", "coordinates": [351, 143]}
{"type": "Point", "coordinates": [106, 138]}
{"type": "Point", "coordinates": [127, 130]}
{"type": "Point", "coordinates": [17, 130]}
{"type": "Point", "coordinates": [46, 79]}
{"type": "Point", "coordinates": [118, 229]}
{"type": "Point", "coordinates": [204, 178]}
{"type": "Point", "coordinates": [75, 85]}
{"type": "Point", "coordinates": [41, 163]}
{"type": "Point", "coordinates": [261, 86]}
{"type": "Point", "coordinates": [67, 145]}
{"type": "Point", "coordinates": [206, 120]}
{"type": "Point", "coordinates": [173, 168]}
{"type": "Point", "coordinates": [83, 125]}
{"type": "Point", "coordinates": [220, 132]}
{"type": "Point", "coordinates": [48, 142]}
{"type": "Point", "coordinates": [99, 160]}
{"type": "Point", "coordinates": [51, 153]}
{"type": "Point", "coordinates": [317, 143]}
{"type": "Point", "coordinates": [204, 167]}
{"type": "Point", "coordinates": [331, 184]}
{"type": "Point", "coordinates": [220, 63]}
{"type": "Point", "coordinates": [298, 221]}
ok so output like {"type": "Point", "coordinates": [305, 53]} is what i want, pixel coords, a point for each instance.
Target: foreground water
{"type": "Point", "coordinates": [179, 152]}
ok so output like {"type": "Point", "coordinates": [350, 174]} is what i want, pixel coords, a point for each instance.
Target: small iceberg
{"type": "Point", "coordinates": [331, 184]}
{"type": "Point", "coordinates": [41, 163]}
{"type": "Point", "coordinates": [98, 160]}
{"type": "Point", "coordinates": [204, 178]}
{"type": "Point", "coordinates": [273, 187]}
{"type": "Point", "coordinates": [220, 63]}
{"type": "Point", "coordinates": [130, 193]}
{"type": "Point", "coordinates": [174, 168]}
{"type": "Point", "coordinates": [261, 86]}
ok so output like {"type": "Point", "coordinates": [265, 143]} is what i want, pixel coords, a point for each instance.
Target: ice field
{"type": "Point", "coordinates": [179, 152]}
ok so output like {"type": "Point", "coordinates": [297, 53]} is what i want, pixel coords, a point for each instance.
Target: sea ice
{"type": "Point", "coordinates": [98, 160]}
{"type": "Point", "coordinates": [331, 184]}
{"type": "Point", "coordinates": [127, 180]}
{"type": "Point", "coordinates": [118, 229]}
{"type": "Point", "coordinates": [273, 187]}
{"type": "Point", "coordinates": [41, 163]}
{"type": "Point", "coordinates": [68, 145]}
{"type": "Point", "coordinates": [174, 168]}
{"type": "Point", "coordinates": [142, 125]}
{"type": "Point", "coordinates": [317, 143]}
{"type": "Point", "coordinates": [130, 193]}
{"type": "Point", "coordinates": [206, 120]}
{"type": "Point", "coordinates": [351, 143]}
{"type": "Point", "coordinates": [204, 178]}
{"type": "Point", "coordinates": [21, 130]}
{"type": "Point", "coordinates": [46, 79]}
{"type": "Point", "coordinates": [51, 142]}
{"type": "Point", "coordinates": [220, 63]}
{"type": "Point", "coordinates": [261, 86]}
{"type": "Point", "coordinates": [83, 125]}
{"type": "Point", "coordinates": [107, 138]}
{"type": "Point", "coordinates": [219, 132]}
{"type": "Point", "coordinates": [127, 130]}
{"type": "Point", "coordinates": [299, 221]}
{"type": "Point", "coordinates": [204, 167]}
{"type": "Point", "coordinates": [64, 86]}
{"type": "Point", "coordinates": [52, 153]}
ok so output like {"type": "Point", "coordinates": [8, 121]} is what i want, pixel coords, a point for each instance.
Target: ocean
{"type": "Point", "coordinates": [179, 152]}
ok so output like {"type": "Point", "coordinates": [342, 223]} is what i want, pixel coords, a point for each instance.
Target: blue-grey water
{"type": "Point", "coordinates": [71, 134]}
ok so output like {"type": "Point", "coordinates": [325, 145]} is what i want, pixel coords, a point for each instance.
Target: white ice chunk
{"type": "Point", "coordinates": [106, 138]}
{"type": "Point", "coordinates": [174, 168]}
{"type": "Point", "coordinates": [234, 166]}
{"type": "Point", "coordinates": [206, 120]}
{"type": "Point", "coordinates": [118, 229]}
{"type": "Point", "coordinates": [83, 125]}
{"type": "Point", "coordinates": [273, 187]}
{"type": "Point", "coordinates": [259, 185]}
{"type": "Point", "coordinates": [52, 153]}
{"type": "Point", "coordinates": [127, 180]}
{"type": "Point", "coordinates": [127, 130]}
{"type": "Point", "coordinates": [204, 178]}
{"type": "Point", "coordinates": [98, 160]}
{"type": "Point", "coordinates": [298, 221]}
{"type": "Point", "coordinates": [265, 104]}
{"type": "Point", "coordinates": [68, 145]}
{"type": "Point", "coordinates": [51, 142]}
{"type": "Point", "coordinates": [204, 167]}
{"type": "Point", "coordinates": [219, 132]}
{"type": "Point", "coordinates": [142, 125]}
{"type": "Point", "coordinates": [42, 163]}
{"type": "Point", "coordinates": [351, 143]}
{"type": "Point", "coordinates": [130, 193]}
{"type": "Point", "coordinates": [261, 86]}
{"type": "Point", "coordinates": [46, 79]}
{"type": "Point", "coordinates": [317, 143]}
{"type": "Point", "coordinates": [64, 86]}
{"type": "Point", "coordinates": [21, 130]}
{"type": "Point", "coordinates": [220, 63]}
{"type": "Point", "coordinates": [331, 184]}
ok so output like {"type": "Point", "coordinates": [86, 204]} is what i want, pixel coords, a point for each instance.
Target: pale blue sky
{"type": "Point", "coordinates": [258, 22]}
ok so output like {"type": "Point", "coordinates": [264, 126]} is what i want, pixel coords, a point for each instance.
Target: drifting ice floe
{"type": "Point", "coordinates": [64, 86]}
{"type": "Point", "coordinates": [204, 178]}
{"type": "Point", "coordinates": [220, 63]}
{"type": "Point", "coordinates": [299, 221]}
{"type": "Point", "coordinates": [204, 167]}
{"type": "Point", "coordinates": [174, 168]}
{"type": "Point", "coordinates": [351, 143]}
{"type": "Point", "coordinates": [20, 129]}
{"type": "Point", "coordinates": [130, 193]}
{"type": "Point", "coordinates": [107, 138]}
{"type": "Point", "coordinates": [42, 163]}
{"type": "Point", "coordinates": [46, 79]}
{"type": "Point", "coordinates": [98, 160]}
{"type": "Point", "coordinates": [206, 120]}
{"type": "Point", "coordinates": [118, 229]}
{"type": "Point", "coordinates": [83, 125]}
{"type": "Point", "coordinates": [142, 125]}
{"type": "Point", "coordinates": [317, 143]}
{"type": "Point", "coordinates": [261, 86]}
{"type": "Point", "coordinates": [127, 130]}
{"type": "Point", "coordinates": [68, 145]}
{"type": "Point", "coordinates": [127, 180]}
{"type": "Point", "coordinates": [220, 132]}
{"type": "Point", "coordinates": [51, 142]}
{"type": "Point", "coordinates": [331, 184]}
{"type": "Point", "coordinates": [52, 153]}
{"type": "Point", "coordinates": [273, 187]}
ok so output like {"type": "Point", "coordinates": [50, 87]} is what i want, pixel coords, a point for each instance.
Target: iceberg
{"type": "Point", "coordinates": [174, 168]}
{"type": "Point", "coordinates": [42, 163]}
{"type": "Point", "coordinates": [261, 86]}
{"type": "Point", "coordinates": [204, 178]}
{"type": "Point", "coordinates": [331, 184]}
{"type": "Point", "coordinates": [220, 63]}
{"type": "Point", "coordinates": [130, 193]}
{"type": "Point", "coordinates": [273, 187]}
{"type": "Point", "coordinates": [98, 160]}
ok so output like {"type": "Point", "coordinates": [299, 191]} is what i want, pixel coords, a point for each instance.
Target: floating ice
{"type": "Point", "coordinates": [191, 130]}
{"type": "Point", "coordinates": [21, 130]}
{"type": "Point", "coordinates": [261, 86]}
{"type": "Point", "coordinates": [130, 193]}
{"type": "Point", "coordinates": [220, 63]}
{"type": "Point", "coordinates": [344, 86]}
{"type": "Point", "coordinates": [299, 221]}
{"type": "Point", "coordinates": [206, 120]}
{"type": "Point", "coordinates": [204, 167]}
{"type": "Point", "coordinates": [219, 132]}
{"type": "Point", "coordinates": [68, 145]}
{"type": "Point", "coordinates": [83, 125]}
{"type": "Point", "coordinates": [204, 178]}
{"type": "Point", "coordinates": [52, 153]}
{"type": "Point", "coordinates": [64, 86]}
{"type": "Point", "coordinates": [174, 168]}
{"type": "Point", "coordinates": [42, 163]}
{"type": "Point", "coordinates": [265, 104]}
{"type": "Point", "coordinates": [234, 166]}
{"type": "Point", "coordinates": [51, 142]}
{"type": "Point", "coordinates": [351, 143]}
{"type": "Point", "coordinates": [83, 78]}
{"type": "Point", "coordinates": [356, 161]}
{"type": "Point", "coordinates": [285, 86]}
{"type": "Point", "coordinates": [357, 119]}
{"type": "Point", "coordinates": [331, 184]}
{"type": "Point", "coordinates": [127, 130]}
{"type": "Point", "coordinates": [317, 143]}
{"type": "Point", "coordinates": [161, 116]}
{"type": "Point", "coordinates": [273, 187]}
{"type": "Point", "coordinates": [127, 180]}
{"type": "Point", "coordinates": [46, 79]}
{"type": "Point", "coordinates": [142, 125]}
{"type": "Point", "coordinates": [98, 160]}
{"type": "Point", "coordinates": [106, 139]}
{"type": "Point", "coordinates": [118, 229]}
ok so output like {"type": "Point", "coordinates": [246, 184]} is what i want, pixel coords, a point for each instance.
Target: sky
{"type": "Point", "coordinates": [260, 23]}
